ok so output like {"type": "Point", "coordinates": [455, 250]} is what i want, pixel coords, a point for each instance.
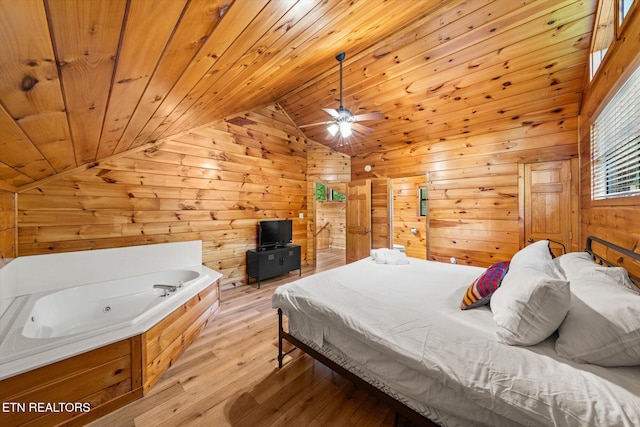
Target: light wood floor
{"type": "Point", "coordinates": [229, 376]}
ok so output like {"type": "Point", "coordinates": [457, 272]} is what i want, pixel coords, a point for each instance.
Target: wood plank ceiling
{"type": "Point", "coordinates": [84, 80]}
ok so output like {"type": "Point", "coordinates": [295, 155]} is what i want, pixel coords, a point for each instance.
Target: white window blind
{"type": "Point", "coordinates": [615, 143]}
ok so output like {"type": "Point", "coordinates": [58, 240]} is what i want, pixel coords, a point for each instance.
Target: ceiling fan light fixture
{"type": "Point", "coordinates": [345, 129]}
{"type": "Point", "coordinates": [343, 120]}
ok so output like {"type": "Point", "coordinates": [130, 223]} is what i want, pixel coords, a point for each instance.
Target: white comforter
{"type": "Point", "coordinates": [410, 314]}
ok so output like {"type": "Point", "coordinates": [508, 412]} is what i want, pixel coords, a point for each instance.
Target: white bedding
{"type": "Point", "coordinates": [401, 326]}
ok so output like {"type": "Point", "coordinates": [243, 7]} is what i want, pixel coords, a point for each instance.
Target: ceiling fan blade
{"type": "Point", "coordinates": [332, 112]}
{"type": "Point", "coordinates": [315, 124]}
{"type": "Point", "coordinates": [361, 129]}
{"type": "Point", "coordinates": [374, 115]}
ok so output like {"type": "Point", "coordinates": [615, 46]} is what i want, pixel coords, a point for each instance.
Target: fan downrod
{"type": "Point", "coordinates": [340, 58]}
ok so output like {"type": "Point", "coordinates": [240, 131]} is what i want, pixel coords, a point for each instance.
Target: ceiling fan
{"type": "Point", "coordinates": [344, 121]}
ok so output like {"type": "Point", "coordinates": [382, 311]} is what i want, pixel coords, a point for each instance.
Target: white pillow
{"type": "Point", "coordinates": [603, 323]}
{"type": "Point", "coordinates": [531, 255]}
{"type": "Point", "coordinates": [578, 264]}
{"type": "Point", "coordinates": [530, 304]}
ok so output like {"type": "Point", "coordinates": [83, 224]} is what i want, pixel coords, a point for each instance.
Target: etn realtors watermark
{"type": "Point", "coordinates": [46, 407]}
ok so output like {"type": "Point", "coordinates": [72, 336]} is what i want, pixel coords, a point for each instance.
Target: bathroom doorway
{"type": "Point", "coordinates": [409, 213]}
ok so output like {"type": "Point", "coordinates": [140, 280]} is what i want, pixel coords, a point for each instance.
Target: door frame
{"type": "Point", "coordinates": [314, 220]}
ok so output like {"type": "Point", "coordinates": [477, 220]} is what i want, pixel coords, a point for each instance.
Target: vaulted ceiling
{"type": "Point", "coordinates": [84, 80]}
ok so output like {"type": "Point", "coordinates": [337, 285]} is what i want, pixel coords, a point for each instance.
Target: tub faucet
{"type": "Point", "coordinates": [167, 289]}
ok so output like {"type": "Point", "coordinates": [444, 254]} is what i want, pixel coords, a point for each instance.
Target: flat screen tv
{"type": "Point", "coordinates": [274, 233]}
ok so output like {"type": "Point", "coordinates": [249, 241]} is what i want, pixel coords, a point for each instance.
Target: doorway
{"type": "Point", "coordinates": [409, 213]}
{"type": "Point", "coordinates": [330, 221]}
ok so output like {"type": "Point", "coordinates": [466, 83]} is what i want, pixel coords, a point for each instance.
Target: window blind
{"type": "Point", "coordinates": [615, 143]}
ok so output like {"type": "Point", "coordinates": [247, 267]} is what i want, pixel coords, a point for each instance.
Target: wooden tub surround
{"type": "Point", "coordinates": [85, 387]}
{"type": "Point", "coordinates": [165, 342]}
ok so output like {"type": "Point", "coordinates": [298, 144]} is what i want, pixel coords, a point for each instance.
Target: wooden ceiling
{"type": "Point", "coordinates": [85, 80]}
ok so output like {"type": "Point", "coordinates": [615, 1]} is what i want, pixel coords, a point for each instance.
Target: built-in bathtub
{"type": "Point", "coordinates": [102, 306]}
{"type": "Point", "coordinates": [63, 322]}
{"type": "Point", "coordinates": [117, 306]}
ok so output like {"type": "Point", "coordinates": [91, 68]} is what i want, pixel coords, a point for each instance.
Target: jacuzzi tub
{"type": "Point", "coordinates": [103, 306]}
{"type": "Point", "coordinates": [46, 326]}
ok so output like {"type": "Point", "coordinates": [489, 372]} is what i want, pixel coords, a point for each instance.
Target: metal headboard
{"type": "Point", "coordinates": [603, 261]}
{"type": "Point", "coordinates": [564, 248]}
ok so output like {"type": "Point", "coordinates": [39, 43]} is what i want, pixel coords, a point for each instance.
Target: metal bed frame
{"type": "Point", "coordinates": [603, 261]}
{"type": "Point", "coordinates": [400, 408]}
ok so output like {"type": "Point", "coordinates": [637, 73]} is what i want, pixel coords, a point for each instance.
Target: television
{"type": "Point", "coordinates": [274, 233]}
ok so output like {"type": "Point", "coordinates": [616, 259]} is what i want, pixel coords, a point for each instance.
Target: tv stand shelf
{"type": "Point", "coordinates": [267, 263]}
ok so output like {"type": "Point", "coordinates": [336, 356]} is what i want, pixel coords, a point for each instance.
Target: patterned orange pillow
{"type": "Point", "coordinates": [480, 291]}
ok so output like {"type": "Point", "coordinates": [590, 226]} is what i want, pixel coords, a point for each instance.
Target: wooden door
{"type": "Point", "coordinates": [548, 203]}
{"type": "Point", "coordinates": [358, 220]}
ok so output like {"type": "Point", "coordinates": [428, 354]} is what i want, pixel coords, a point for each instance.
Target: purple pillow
{"type": "Point", "coordinates": [480, 291]}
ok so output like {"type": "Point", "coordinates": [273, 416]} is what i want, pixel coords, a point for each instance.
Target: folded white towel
{"type": "Point", "coordinates": [389, 256]}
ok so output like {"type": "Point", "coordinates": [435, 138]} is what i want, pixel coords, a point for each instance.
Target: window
{"type": "Point", "coordinates": [605, 29]}
{"type": "Point", "coordinates": [327, 194]}
{"type": "Point", "coordinates": [603, 34]}
{"type": "Point", "coordinates": [623, 9]}
{"type": "Point", "coordinates": [337, 196]}
{"type": "Point", "coordinates": [615, 143]}
{"type": "Point", "coordinates": [422, 206]}
{"type": "Point", "coordinates": [321, 192]}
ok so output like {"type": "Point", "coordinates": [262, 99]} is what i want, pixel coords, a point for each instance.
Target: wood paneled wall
{"type": "Point", "coordinates": [406, 216]}
{"type": "Point", "coordinates": [7, 227]}
{"type": "Point", "coordinates": [331, 223]}
{"type": "Point", "coordinates": [213, 183]}
{"type": "Point", "coordinates": [473, 184]}
{"type": "Point", "coordinates": [474, 198]}
{"type": "Point", "coordinates": [615, 219]}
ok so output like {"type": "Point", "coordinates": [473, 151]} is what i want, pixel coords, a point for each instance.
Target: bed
{"type": "Point", "coordinates": [566, 355]}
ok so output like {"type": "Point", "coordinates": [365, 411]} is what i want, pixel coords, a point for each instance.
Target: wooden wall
{"type": "Point", "coordinates": [474, 212]}
{"type": "Point", "coordinates": [473, 184]}
{"type": "Point", "coordinates": [7, 227]}
{"type": "Point", "coordinates": [616, 219]}
{"type": "Point", "coordinates": [406, 215]}
{"type": "Point", "coordinates": [213, 183]}
{"type": "Point", "coordinates": [331, 223]}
